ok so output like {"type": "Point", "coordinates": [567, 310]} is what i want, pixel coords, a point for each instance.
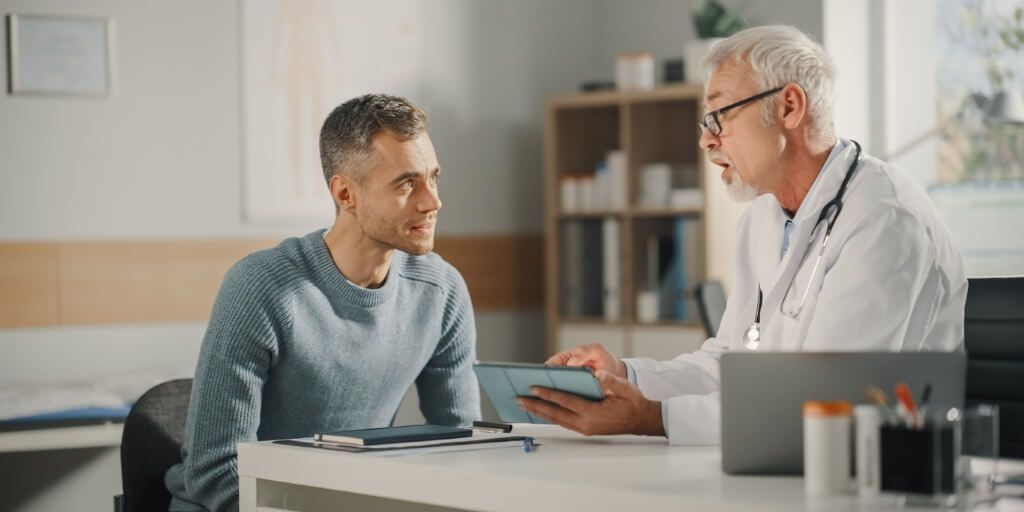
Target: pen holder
{"type": "Point", "coordinates": [921, 463]}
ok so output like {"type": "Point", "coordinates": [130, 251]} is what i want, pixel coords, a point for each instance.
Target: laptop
{"type": "Point", "coordinates": [763, 395]}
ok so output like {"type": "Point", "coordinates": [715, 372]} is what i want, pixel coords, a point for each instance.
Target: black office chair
{"type": "Point", "coordinates": [994, 339]}
{"type": "Point", "coordinates": [151, 444]}
{"type": "Point", "coordinates": [711, 304]}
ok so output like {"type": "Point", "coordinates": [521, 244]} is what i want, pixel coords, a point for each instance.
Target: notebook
{"type": "Point", "coordinates": [391, 435]}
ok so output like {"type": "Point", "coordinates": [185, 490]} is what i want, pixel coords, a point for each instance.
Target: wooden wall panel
{"type": "Point", "coordinates": [502, 272]}
{"type": "Point", "coordinates": [144, 281]}
{"type": "Point", "coordinates": [28, 284]}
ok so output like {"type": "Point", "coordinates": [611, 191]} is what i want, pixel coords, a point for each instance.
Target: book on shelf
{"type": "Point", "coordinates": [582, 268]}
{"type": "Point", "coordinates": [571, 271]}
{"type": "Point", "coordinates": [612, 267]}
{"type": "Point", "coordinates": [679, 261]}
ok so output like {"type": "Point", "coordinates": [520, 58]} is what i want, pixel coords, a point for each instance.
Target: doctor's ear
{"type": "Point", "coordinates": [792, 106]}
{"type": "Point", "coordinates": [344, 192]}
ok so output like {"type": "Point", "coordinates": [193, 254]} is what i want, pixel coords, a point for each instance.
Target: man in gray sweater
{"type": "Point", "coordinates": [328, 331]}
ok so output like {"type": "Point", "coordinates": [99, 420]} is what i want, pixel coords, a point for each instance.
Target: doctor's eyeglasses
{"type": "Point", "coordinates": [711, 122]}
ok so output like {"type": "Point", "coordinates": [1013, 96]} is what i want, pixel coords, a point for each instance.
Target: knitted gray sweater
{"type": "Point", "coordinates": [293, 349]}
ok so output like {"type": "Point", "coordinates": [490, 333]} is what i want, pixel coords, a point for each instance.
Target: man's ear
{"type": "Point", "coordinates": [344, 192]}
{"type": "Point", "coordinates": [792, 106]}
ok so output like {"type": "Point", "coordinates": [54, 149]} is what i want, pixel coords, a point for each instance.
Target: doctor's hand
{"type": "Point", "coordinates": [624, 409]}
{"type": "Point", "coordinates": [593, 356]}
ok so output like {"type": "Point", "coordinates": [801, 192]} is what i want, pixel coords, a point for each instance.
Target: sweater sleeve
{"type": "Point", "coordinates": [237, 353]}
{"type": "Point", "coordinates": [447, 387]}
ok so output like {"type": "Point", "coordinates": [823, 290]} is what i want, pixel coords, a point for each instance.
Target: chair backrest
{"type": "Point", "coordinates": [994, 339]}
{"type": "Point", "coordinates": [151, 444]}
{"type": "Point", "coordinates": [711, 304]}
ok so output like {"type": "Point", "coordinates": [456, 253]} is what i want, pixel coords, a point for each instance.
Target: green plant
{"type": "Point", "coordinates": [712, 19]}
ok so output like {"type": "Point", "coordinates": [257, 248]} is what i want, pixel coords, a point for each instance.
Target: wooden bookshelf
{"type": "Point", "coordinates": [650, 126]}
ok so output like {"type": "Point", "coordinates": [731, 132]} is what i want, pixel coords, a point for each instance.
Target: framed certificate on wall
{"type": "Point", "coordinates": [59, 55]}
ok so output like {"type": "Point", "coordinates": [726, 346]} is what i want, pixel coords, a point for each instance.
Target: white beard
{"type": "Point", "coordinates": [738, 190]}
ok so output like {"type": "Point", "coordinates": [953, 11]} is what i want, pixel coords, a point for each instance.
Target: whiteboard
{"type": "Point", "coordinates": [299, 61]}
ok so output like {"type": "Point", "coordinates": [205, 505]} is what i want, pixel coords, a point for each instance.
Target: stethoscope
{"type": "Point", "coordinates": [829, 213]}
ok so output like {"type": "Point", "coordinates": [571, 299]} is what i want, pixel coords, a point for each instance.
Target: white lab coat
{"type": "Point", "coordinates": [890, 279]}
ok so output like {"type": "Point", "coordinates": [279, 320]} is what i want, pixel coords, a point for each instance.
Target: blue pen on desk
{"type": "Point", "coordinates": [528, 445]}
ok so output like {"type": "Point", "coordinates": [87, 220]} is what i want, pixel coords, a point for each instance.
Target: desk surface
{"type": "Point", "coordinates": [568, 471]}
{"type": "Point", "coordinates": [61, 438]}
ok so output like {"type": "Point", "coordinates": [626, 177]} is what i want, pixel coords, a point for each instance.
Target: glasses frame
{"type": "Point", "coordinates": [711, 122]}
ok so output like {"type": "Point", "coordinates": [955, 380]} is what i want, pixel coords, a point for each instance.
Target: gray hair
{"type": "Point", "coordinates": [778, 55]}
{"type": "Point", "coordinates": [347, 133]}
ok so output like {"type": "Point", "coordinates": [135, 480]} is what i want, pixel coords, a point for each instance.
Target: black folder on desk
{"type": "Point", "coordinates": [393, 435]}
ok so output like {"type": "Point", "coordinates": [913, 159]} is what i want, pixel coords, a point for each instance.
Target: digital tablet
{"type": "Point", "coordinates": [503, 382]}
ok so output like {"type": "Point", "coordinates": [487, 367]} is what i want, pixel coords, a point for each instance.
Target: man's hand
{"type": "Point", "coordinates": [624, 409]}
{"type": "Point", "coordinates": [593, 356]}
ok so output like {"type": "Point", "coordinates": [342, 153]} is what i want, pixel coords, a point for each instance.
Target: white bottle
{"type": "Point", "coordinates": [569, 193]}
{"type": "Point", "coordinates": [826, 448]}
{"type": "Point", "coordinates": [868, 424]}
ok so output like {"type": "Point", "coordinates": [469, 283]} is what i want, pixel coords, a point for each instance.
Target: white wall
{"type": "Point", "coordinates": [661, 27]}
{"type": "Point", "coordinates": [886, 85]}
{"type": "Point", "coordinates": [160, 159]}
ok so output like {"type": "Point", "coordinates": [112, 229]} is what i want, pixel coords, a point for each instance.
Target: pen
{"type": "Point", "coordinates": [528, 445]}
{"type": "Point", "coordinates": [491, 427]}
{"type": "Point", "coordinates": [923, 403]}
{"type": "Point", "coordinates": [878, 396]}
{"type": "Point", "coordinates": [903, 394]}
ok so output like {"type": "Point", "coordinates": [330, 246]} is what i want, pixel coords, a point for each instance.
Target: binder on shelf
{"type": "Point", "coordinates": [688, 263]}
{"type": "Point", "coordinates": [582, 268]}
{"type": "Point", "coordinates": [571, 270]}
{"type": "Point", "coordinates": [680, 284]}
{"type": "Point", "coordinates": [679, 255]}
{"type": "Point", "coordinates": [592, 264]}
{"type": "Point", "coordinates": [612, 278]}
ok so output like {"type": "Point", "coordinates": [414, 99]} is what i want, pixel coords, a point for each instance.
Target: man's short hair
{"type": "Point", "coordinates": [347, 133]}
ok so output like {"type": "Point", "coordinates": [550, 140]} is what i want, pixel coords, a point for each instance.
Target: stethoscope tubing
{"type": "Point", "coordinates": [752, 336]}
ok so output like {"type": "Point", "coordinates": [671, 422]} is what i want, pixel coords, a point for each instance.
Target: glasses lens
{"type": "Point", "coordinates": [711, 122]}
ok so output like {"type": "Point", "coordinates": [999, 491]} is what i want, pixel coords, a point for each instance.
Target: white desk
{"type": "Point", "coordinates": [61, 438]}
{"type": "Point", "coordinates": [569, 472]}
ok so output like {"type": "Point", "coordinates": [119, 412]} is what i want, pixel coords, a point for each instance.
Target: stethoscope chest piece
{"type": "Point", "coordinates": [752, 336]}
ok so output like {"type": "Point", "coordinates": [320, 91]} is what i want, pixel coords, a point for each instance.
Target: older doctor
{"type": "Point", "coordinates": [838, 252]}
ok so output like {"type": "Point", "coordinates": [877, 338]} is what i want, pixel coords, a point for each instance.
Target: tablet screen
{"type": "Point", "coordinates": [503, 382]}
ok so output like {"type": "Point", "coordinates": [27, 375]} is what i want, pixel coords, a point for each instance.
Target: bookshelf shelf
{"type": "Point", "coordinates": [667, 212]}
{"type": "Point", "coordinates": [584, 320]}
{"type": "Point", "coordinates": [601, 259]}
{"type": "Point", "coordinates": [595, 214]}
{"type": "Point", "coordinates": [672, 324]}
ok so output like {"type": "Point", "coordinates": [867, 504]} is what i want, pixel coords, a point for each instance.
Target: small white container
{"type": "Point", "coordinates": [647, 307]}
{"type": "Point", "coordinates": [569, 203]}
{"type": "Point", "coordinates": [683, 198]}
{"type": "Point", "coordinates": [655, 185]}
{"type": "Point", "coordinates": [826, 448]}
{"type": "Point", "coordinates": [617, 179]}
{"type": "Point", "coordinates": [634, 72]}
{"type": "Point", "coordinates": [868, 424]}
{"type": "Point", "coordinates": [585, 193]}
